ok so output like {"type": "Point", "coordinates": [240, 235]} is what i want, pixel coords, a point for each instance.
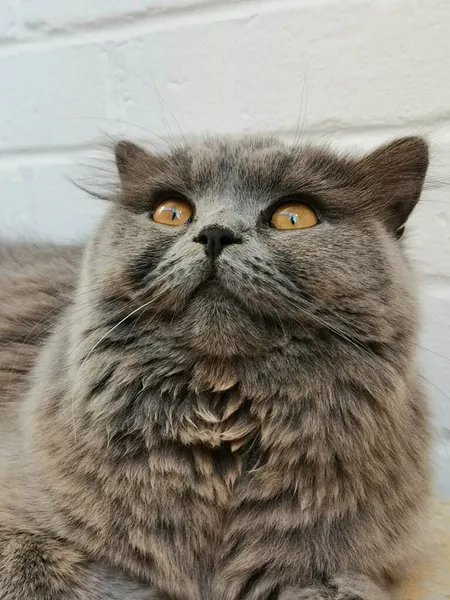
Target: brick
{"type": "Point", "coordinates": [52, 98]}
{"type": "Point", "coordinates": [15, 204]}
{"type": "Point", "coordinates": [53, 14]}
{"type": "Point", "coordinates": [39, 202]}
{"type": "Point", "coordinates": [7, 19]}
{"type": "Point", "coordinates": [441, 464]}
{"type": "Point", "coordinates": [428, 232]}
{"type": "Point", "coordinates": [434, 302]}
{"type": "Point", "coordinates": [434, 357]}
{"type": "Point", "coordinates": [366, 63]}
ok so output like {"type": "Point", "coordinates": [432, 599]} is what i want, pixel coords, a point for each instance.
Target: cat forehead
{"type": "Point", "coordinates": [258, 164]}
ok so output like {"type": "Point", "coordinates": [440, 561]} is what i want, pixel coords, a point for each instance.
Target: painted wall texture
{"type": "Point", "coordinates": [353, 73]}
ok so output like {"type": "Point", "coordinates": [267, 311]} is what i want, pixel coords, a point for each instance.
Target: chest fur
{"type": "Point", "coordinates": [155, 500]}
{"type": "Point", "coordinates": [173, 475]}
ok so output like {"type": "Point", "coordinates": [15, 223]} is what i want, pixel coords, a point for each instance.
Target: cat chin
{"type": "Point", "coordinates": [214, 324]}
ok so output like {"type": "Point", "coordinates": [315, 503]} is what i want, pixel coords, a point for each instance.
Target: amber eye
{"type": "Point", "coordinates": [173, 212]}
{"type": "Point", "coordinates": [294, 215]}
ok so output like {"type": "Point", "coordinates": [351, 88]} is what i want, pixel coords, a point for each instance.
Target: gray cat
{"type": "Point", "coordinates": [217, 399]}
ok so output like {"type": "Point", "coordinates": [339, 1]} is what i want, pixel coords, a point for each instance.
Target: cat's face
{"type": "Point", "coordinates": [304, 243]}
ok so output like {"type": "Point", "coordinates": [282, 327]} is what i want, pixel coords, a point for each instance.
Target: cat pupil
{"type": "Point", "coordinates": [175, 213]}
{"type": "Point", "coordinates": [292, 216]}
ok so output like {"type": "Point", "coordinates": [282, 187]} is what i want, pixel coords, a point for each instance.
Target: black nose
{"type": "Point", "coordinates": [215, 238]}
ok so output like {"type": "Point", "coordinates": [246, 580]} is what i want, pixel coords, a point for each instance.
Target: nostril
{"type": "Point", "coordinates": [215, 238]}
{"type": "Point", "coordinates": [201, 239]}
{"type": "Point", "coordinates": [228, 239]}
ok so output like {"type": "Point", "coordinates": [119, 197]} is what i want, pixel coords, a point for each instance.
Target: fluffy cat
{"type": "Point", "coordinates": [217, 398]}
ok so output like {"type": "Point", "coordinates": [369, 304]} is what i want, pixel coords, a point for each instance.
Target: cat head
{"type": "Point", "coordinates": [234, 246]}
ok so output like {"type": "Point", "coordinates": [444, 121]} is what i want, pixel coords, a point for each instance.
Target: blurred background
{"type": "Point", "coordinates": [350, 73]}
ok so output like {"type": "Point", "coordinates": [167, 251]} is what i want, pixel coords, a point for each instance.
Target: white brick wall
{"type": "Point", "coordinates": [353, 72]}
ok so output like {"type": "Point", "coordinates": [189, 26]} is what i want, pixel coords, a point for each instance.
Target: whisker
{"type": "Point", "coordinates": [163, 114]}
{"type": "Point", "coordinates": [161, 99]}
{"type": "Point", "coordinates": [121, 121]}
{"type": "Point", "coordinates": [433, 352]}
{"type": "Point", "coordinates": [104, 336]}
{"type": "Point", "coordinates": [434, 386]}
{"type": "Point", "coordinates": [330, 326]}
{"type": "Point", "coordinates": [304, 89]}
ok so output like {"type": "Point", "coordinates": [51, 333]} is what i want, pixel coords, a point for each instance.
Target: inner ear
{"type": "Point", "coordinates": [391, 180]}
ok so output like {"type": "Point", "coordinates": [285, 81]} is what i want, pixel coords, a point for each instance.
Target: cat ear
{"type": "Point", "coordinates": [131, 160]}
{"type": "Point", "coordinates": [136, 167]}
{"type": "Point", "coordinates": [135, 164]}
{"type": "Point", "coordinates": [393, 177]}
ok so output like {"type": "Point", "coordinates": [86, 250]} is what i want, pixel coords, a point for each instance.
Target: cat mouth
{"type": "Point", "coordinates": [211, 286]}
{"type": "Point", "coordinates": [211, 279]}
{"type": "Point", "coordinates": [214, 287]}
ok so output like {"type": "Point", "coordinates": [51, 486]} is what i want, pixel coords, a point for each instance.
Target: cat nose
{"type": "Point", "coordinates": [215, 238]}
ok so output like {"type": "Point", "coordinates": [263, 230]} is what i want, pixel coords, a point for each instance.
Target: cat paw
{"type": "Point", "coordinates": [319, 592]}
{"type": "Point", "coordinates": [349, 586]}
{"type": "Point", "coordinates": [340, 587]}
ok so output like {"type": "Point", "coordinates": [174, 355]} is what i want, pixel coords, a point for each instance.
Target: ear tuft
{"type": "Point", "coordinates": [393, 175]}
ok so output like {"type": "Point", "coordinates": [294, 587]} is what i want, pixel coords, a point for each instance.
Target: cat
{"type": "Point", "coordinates": [217, 398]}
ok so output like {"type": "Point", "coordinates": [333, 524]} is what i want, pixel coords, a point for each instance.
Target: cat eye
{"type": "Point", "coordinates": [174, 212]}
{"type": "Point", "coordinates": [294, 215]}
